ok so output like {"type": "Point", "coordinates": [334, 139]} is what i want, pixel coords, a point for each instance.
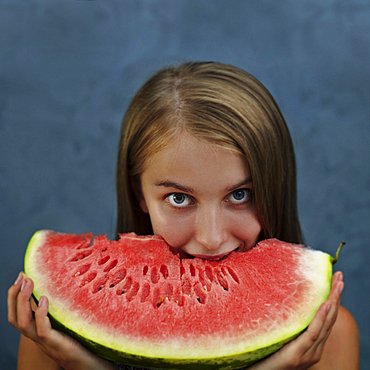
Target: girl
{"type": "Point", "coordinates": [206, 161]}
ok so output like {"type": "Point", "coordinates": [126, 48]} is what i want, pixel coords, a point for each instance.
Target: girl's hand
{"type": "Point", "coordinates": [307, 349]}
{"type": "Point", "coordinates": [60, 347]}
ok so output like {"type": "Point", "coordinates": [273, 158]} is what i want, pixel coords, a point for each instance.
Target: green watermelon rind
{"type": "Point", "coordinates": [224, 363]}
{"type": "Point", "coordinates": [139, 355]}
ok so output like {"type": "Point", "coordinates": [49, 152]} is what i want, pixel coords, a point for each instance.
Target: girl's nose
{"type": "Point", "coordinates": [210, 229]}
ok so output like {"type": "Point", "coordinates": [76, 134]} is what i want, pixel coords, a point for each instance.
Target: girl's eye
{"type": "Point", "coordinates": [179, 199]}
{"type": "Point", "coordinates": [239, 196]}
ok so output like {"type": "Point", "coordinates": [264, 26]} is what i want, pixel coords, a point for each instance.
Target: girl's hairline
{"type": "Point", "coordinates": [179, 129]}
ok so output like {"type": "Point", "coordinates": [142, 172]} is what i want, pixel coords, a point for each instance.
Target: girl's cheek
{"type": "Point", "coordinates": [175, 232]}
{"type": "Point", "coordinates": [246, 227]}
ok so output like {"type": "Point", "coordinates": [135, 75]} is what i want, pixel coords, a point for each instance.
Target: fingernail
{"type": "Point", "coordinates": [328, 307]}
{"type": "Point", "coordinates": [340, 277]}
{"type": "Point", "coordinates": [23, 284]}
{"type": "Point", "coordinates": [340, 289]}
{"type": "Point", "coordinates": [19, 279]}
{"type": "Point", "coordinates": [41, 301]}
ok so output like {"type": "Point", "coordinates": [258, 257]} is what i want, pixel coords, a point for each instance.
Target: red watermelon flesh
{"type": "Point", "coordinates": [136, 302]}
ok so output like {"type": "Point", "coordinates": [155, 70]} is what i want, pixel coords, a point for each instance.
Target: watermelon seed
{"type": "Point", "coordinates": [145, 270]}
{"type": "Point", "coordinates": [161, 300]}
{"type": "Point", "coordinates": [157, 300]}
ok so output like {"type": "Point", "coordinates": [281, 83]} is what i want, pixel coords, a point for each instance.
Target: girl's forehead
{"type": "Point", "coordinates": [183, 139]}
{"type": "Point", "coordinates": [185, 154]}
{"type": "Point", "coordinates": [182, 143]}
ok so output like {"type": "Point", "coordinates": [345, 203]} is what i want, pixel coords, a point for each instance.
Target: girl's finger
{"type": "Point", "coordinates": [331, 310]}
{"type": "Point", "coordinates": [307, 349]}
{"type": "Point", "coordinates": [25, 321]}
{"type": "Point", "coordinates": [334, 301]}
{"type": "Point", "coordinates": [43, 325]}
{"type": "Point", "coordinates": [338, 276]}
{"type": "Point", "coordinates": [12, 300]}
{"type": "Point", "coordinates": [337, 286]}
{"type": "Point", "coordinates": [314, 330]}
{"type": "Point", "coordinates": [299, 351]}
{"type": "Point", "coordinates": [320, 327]}
{"type": "Point", "coordinates": [336, 292]}
{"type": "Point", "coordinates": [59, 346]}
{"type": "Point", "coordinates": [48, 337]}
{"type": "Point", "coordinates": [316, 335]}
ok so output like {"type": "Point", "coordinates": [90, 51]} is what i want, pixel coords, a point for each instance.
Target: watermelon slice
{"type": "Point", "coordinates": [133, 301]}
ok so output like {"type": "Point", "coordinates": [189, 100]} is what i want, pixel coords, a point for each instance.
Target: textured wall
{"type": "Point", "coordinates": [68, 70]}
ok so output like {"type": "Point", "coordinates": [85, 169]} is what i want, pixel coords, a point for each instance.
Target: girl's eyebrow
{"type": "Point", "coordinates": [171, 184]}
{"type": "Point", "coordinates": [247, 181]}
{"type": "Point", "coordinates": [187, 189]}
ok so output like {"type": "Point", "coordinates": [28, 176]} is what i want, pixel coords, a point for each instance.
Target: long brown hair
{"type": "Point", "coordinates": [225, 106]}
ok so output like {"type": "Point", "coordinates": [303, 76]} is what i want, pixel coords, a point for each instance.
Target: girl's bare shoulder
{"type": "Point", "coordinates": [341, 351]}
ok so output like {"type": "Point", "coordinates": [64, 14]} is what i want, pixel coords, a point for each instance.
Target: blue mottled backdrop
{"type": "Point", "coordinates": [68, 70]}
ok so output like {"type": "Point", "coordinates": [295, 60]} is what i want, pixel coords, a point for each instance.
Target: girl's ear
{"type": "Point", "coordinates": [142, 204]}
{"type": "Point", "coordinates": [139, 196]}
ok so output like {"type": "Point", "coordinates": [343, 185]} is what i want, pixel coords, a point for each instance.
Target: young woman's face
{"type": "Point", "coordinates": [200, 199]}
